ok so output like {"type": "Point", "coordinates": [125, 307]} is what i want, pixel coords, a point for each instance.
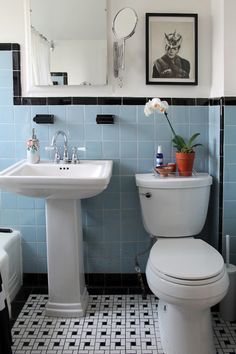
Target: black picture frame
{"type": "Point", "coordinates": [169, 34]}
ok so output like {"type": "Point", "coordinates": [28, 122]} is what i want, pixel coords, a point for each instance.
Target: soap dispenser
{"type": "Point", "coordinates": [33, 154]}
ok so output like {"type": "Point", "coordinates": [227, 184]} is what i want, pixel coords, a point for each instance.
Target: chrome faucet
{"type": "Point", "coordinates": [57, 157]}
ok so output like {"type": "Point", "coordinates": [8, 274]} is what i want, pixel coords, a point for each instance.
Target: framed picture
{"type": "Point", "coordinates": [171, 49]}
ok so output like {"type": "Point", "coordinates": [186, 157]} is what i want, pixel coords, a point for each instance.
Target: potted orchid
{"type": "Point", "coordinates": [185, 153]}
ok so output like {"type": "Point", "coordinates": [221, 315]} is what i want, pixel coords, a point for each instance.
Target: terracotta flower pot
{"type": "Point", "coordinates": [184, 163]}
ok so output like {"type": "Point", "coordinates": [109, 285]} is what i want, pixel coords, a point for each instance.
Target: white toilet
{"type": "Point", "coordinates": [186, 274]}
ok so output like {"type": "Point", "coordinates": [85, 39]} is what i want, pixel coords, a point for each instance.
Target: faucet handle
{"type": "Point", "coordinates": [65, 155]}
{"type": "Point", "coordinates": [74, 157]}
{"type": "Point", "coordinates": [57, 157]}
{"type": "Point", "coordinates": [56, 153]}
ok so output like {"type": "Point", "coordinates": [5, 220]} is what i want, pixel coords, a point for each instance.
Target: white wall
{"type": "Point", "coordinates": [223, 48]}
{"type": "Point", "coordinates": [135, 63]}
{"type": "Point", "coordinates": [12, 30]}
{"type": "Point", "coordinates": [229, 48]}
{"type": "Point", "coordinates": [217, 88]}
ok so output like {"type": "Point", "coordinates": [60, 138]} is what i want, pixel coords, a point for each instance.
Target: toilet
{"type": "Point", "coordinates": [185, 273]}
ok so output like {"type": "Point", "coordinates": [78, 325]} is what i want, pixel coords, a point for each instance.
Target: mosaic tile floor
{"type": "Point", "coordinates": [114, 324]}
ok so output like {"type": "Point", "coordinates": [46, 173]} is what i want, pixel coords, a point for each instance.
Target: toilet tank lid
{"type": "Point", "coordinates": [149, 180]}
{"type": "Point", "coordinates": [186, 258]}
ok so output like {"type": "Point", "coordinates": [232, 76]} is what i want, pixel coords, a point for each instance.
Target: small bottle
{"type": "Point", "coordinates": [33, 154]}
{"type": "Point", "coordinates": [159, 156]}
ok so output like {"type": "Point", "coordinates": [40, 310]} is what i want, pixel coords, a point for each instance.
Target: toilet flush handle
{"type": "Point", "coordinates": [147, 195]}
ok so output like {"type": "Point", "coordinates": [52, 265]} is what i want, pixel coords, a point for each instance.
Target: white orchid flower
{"type": "Point", "coordinates": [179, 143]}
{"type": "Point", "coordinates": [155, 104]}
{"type": "Point", "coordinates": [148, 108]}
{"type": "Point", "coordinates": [164, 106]}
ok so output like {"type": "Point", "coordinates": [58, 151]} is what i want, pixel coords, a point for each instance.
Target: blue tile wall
{"type": "Point", "coordinates": [229, 200]}
{"type": "Point", "coordinates": [214, 170]}
{"type": "Point", "coordinates": [112, 224]}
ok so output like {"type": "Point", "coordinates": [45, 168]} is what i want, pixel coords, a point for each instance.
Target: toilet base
{"type": "Point", "coordinates": [185, 331]}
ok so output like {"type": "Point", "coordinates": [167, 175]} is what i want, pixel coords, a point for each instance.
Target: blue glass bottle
{"type": "Point", "coordinates": [159, 156]}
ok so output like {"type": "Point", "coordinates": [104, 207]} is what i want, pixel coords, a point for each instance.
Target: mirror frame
{"type": "Point", "coordinates": [134, 28]}
{"type": "Point", "coordinates": [119, 47]}
{"type": "Point", "coordinates": [28, 87]}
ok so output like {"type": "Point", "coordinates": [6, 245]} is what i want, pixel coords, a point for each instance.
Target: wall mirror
{"type": "Point", "coordinates": [67, 42]}
{"type": "Point", "coordinates": [124, 23]}
{"type": "Point", "coordinates": [123, 27]}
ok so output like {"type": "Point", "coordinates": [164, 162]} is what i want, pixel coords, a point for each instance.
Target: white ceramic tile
{"type": "Point", "coordinates": [117, 324]}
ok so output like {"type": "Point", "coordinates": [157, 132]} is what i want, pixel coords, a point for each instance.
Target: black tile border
{"type": "Point", "coordinates": [15, 46]}
{"type": "Point", "coordinates": [16, 60]}
{"type": "Point", "coordinates": [104, 281]}
{"type": "Point", "coordinates": [221, 175]}
{"type": "Point", "coordinates": [214, 101]}
{"type": "Point", "coordinates": [30, 101]}
{"type": "Point", "coordinates": [134, 101]}
{"type": "Point", "coordinates": [111, 101]}
{"type": "Point", "coordinates": [16, 83]}
{"type": "Point", "coordinates": [229, 101]}
{"type": "Point", "coordinates": [16, 70]}
{"type": "Point", "coordinates": [119, 101]}
{"type": "Point", "coordinates": [202, 102]}
{"type": "Point", "coordinates": [9, 46]}
{"type": "Point", "coordinates": [35, 279]}
{"type": "Point", "coordinates": [59, 100]}
{"type": "Point", "coordinates": [34, 101]}
{"type": "Point", "coordinates": [183, 101]}
{"type": "Point", "coordinates": [84, 100]}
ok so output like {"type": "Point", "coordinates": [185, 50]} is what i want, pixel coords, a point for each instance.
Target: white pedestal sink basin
{"type": "Point", "coordinates": [83, 180]}
{"type": "Point", "coordinates": [63, 185]}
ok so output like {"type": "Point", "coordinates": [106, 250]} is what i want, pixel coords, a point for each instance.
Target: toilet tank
{"type": "Point", "coordinates": [174, 206]}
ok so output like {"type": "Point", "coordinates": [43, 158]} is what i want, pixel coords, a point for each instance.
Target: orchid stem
{"type": "Point", "coordinates": [172, 129]}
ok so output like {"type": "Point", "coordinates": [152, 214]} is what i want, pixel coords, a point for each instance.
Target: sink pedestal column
{"type": "Point", "coordinates": [68, 296]}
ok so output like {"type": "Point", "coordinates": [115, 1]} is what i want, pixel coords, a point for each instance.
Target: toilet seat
{"type": "Point", "coordinates": [186, 261]}
{"type": "Point", "coordinates": [189, 282]}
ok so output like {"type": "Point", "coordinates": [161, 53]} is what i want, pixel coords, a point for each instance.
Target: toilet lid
{"type": "Point", "coordinates": [187, 259]}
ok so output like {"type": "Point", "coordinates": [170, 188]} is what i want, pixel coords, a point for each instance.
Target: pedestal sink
{"type": "Point", "coordinates": [62, 185]}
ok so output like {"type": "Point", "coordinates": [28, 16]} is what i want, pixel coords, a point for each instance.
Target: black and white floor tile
{"type": "Point", "coordinates": [114, 324]}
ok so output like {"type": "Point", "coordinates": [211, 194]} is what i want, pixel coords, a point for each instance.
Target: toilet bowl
{"type": "Point", "coordinates": [189, 277]}
{"type": "Point", "coordinates": [186, 274]}
{"type": "Point", "coordinates": [186, 269]}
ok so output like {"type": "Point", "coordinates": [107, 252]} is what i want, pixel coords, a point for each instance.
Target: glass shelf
{"type": "Point", "coordinates": [168, 173]}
